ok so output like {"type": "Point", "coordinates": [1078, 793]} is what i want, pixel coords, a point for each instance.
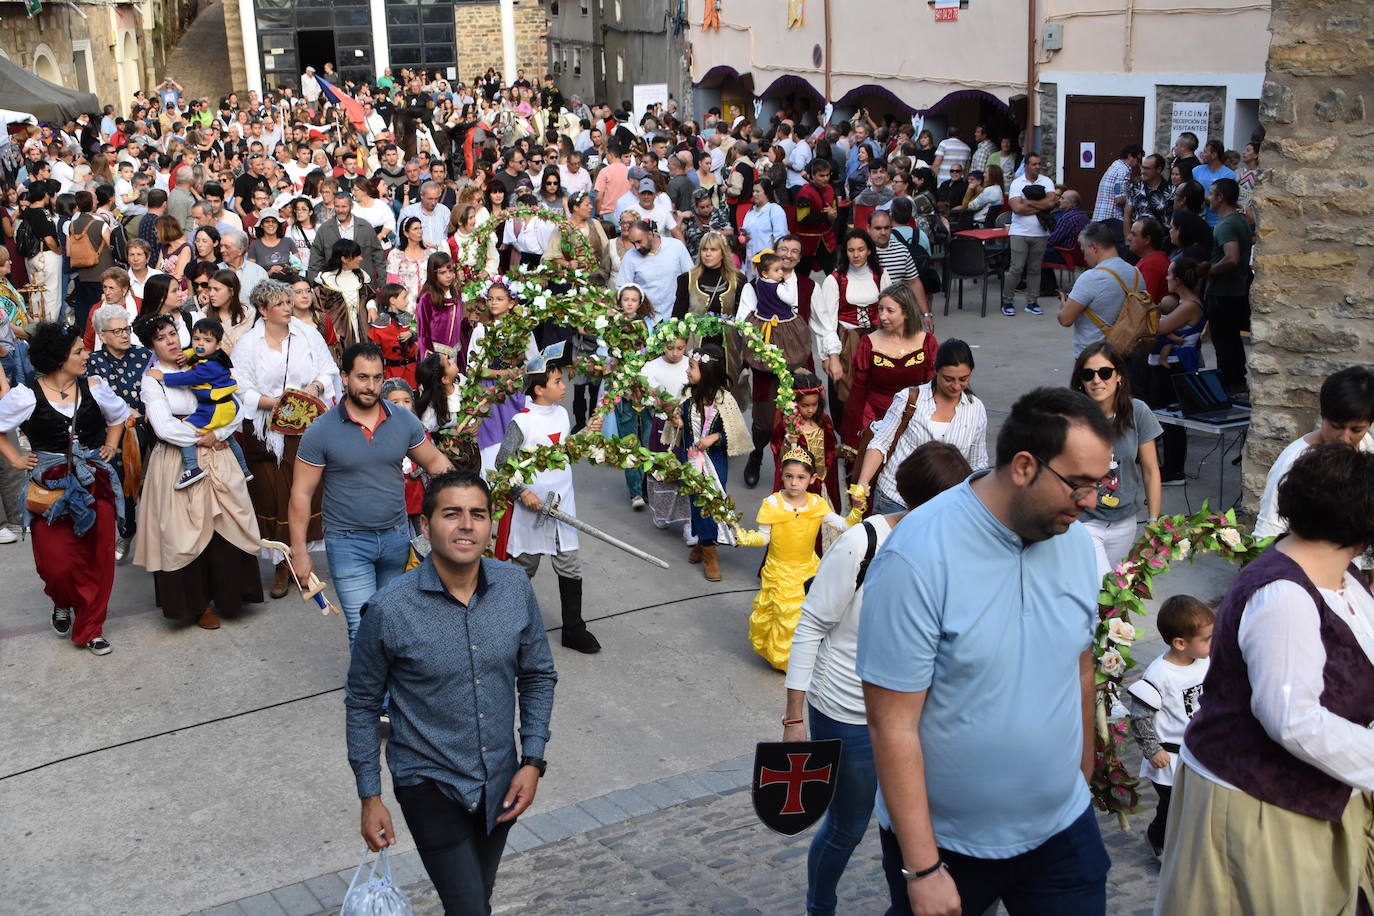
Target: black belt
{"type": "Point", "coordinates": [1171, 748]}
{"type": "Point", "coordinates": [394, 363]}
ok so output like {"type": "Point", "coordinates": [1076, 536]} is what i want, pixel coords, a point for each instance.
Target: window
{"type": "Point", "coordinates": [553, 8]}
{"type": "Point", "coordinates": [585, 6]}
{"type": "Point", "coordinates": [617, 10]}
{"type": "Point", "coordinates": [419, 33]}
{"type": "Point", "coordinates": [554, 55]}
{"type": "Point", "coordinates": [577, 61]}
{"type": "Point", "coordinates": [619, 64]}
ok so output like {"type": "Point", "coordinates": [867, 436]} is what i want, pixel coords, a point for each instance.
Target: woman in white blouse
{"type": "Point", "coordinates": [200, 543]}
{"type": "Point", "coordinates": [821, 680]}
{"type": "Point", "coordinates": [946, 411]}
{"type": "Point", "coordinates": [847, 309]}
{"type": "Point", "coordinates": [375, 210]}
{"type": "Point", "coordinates": [74, 426]}
{"type": "Point", "coordinates": [1272, 808]}
{"type": "Point", "coordinates": [277, 353]}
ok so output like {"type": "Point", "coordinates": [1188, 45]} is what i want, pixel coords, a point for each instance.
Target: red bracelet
{"type": "Point", "coordinates": [789, 722]}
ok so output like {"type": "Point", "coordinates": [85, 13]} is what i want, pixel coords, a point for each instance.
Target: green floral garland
{"type": "Point", "coordinates": [1124, 592]}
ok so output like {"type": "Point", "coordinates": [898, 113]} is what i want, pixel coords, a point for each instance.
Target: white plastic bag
{"type": "Point", "coordinates": [372, 892]}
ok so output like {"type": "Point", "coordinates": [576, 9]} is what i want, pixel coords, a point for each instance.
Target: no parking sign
{"type": "Point", "coordinates": [1087, 155]}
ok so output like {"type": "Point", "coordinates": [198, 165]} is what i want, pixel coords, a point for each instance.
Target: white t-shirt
{"type": "Point", "coordinates": [666, 376]}
{"type": "Point", "coordinates": [1174, 692]}
{"type": "Point", "coordinates": [953, 152]}
{"type": "Point", "coordinates": [1027, 224]}
{"type": "Point", "coordinates": [1269, 523]}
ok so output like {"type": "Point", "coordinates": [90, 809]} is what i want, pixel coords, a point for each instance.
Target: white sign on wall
{"type": "Point", "coordinates": [646, 95]}
{"type": "Point", "coordinates": [1193, 117]}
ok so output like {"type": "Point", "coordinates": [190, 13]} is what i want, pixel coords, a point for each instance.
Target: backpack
{"type": "Point", "coordinates": [81, 251]}
{"type": "Point", "coordinates": [863, 564]}
{"type": "Point", "coordinates": [1136, 325]}
{"type": "Point", "coordinates": [27, 244]}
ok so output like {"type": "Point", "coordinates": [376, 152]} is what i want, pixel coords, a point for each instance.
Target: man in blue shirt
{"type": "Point", "coordinates": [455, 641]}
{"type": "Point", "coordinates": [1213, 166]}
{"type": "Point", "coordinates": [974, 649]}
{"type": "Point", "coordinates": [356, 449]}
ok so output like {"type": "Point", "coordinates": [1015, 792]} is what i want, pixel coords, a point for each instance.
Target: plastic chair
{"type": "Point", "coordinates": [994, 213]}
{"type": "Point", "coordinates": [1073, 259]}
{"type": "Point", "coordinates": [968, 261]}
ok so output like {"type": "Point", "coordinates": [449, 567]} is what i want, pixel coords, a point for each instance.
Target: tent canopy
{"type": "Point", "coordinates": [49, 102]}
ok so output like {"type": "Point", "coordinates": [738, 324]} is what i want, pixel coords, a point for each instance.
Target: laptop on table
{"type": "Point", "coordinates": [1202, 396]}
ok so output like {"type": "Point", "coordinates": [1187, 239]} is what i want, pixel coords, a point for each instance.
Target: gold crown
{"type": "Point", "coordinates": [797, 453]}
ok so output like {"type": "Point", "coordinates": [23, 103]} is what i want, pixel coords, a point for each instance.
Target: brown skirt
{"type": "Point", "coordinates": [270, 489]}
{"type": "Point", "coordinates": [792, 337]}
{"type": "Point", "coordinates": [222, 575]}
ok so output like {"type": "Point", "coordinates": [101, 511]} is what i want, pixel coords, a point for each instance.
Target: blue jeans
{"type": "Point", "coordinates": [190, 460]}
{"type": "Point", "coordinates": [638, 423]}
{"type": "Point", "coordinates": [885, 505]}
{"type": "Point", "coordinates": [362, 561]}
{"type": "Point", "coordinates": [1064, 876]}
{"type": "Point", "coordinates": [847, 818]}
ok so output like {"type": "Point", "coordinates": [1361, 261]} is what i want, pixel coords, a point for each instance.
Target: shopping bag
{"type": "Point", "coordinates": [372, 892]}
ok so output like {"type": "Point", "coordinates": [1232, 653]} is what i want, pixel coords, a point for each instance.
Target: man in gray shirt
{"type": "Point", "coordinates": [1102, 287]}
{"type": "Point", "coordinates": [454, 641]}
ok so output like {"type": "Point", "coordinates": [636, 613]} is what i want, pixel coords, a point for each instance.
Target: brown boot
{"type": "Point", "coordinates": [695, 555]}
{"type": "Point", "coordinates": [208, 619]}
{"type": "Point", "coordinates": [709, 565]}
{"type": "Point", "coordinates": [281, 582]}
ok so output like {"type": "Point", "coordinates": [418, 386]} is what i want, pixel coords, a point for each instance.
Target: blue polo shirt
{"type": "Point", "coordinates": [957, 604]}
{"type": "Point", "coordinates": [364, 489]}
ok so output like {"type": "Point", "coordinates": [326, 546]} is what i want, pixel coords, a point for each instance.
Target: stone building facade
{"type": "Point", "coordinates": [479, 39]}
{"type": "Point", "coordinates": [110, 49]}
{"type": "Point", "coordinates": [1313, 299]}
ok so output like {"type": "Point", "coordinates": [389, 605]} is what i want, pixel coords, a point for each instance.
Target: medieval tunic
{"type": "Point", "coordinates": [536, 425]}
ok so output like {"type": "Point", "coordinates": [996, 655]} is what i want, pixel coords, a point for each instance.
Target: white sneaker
{"type": "Point", "coordinates": [121, 549]}
{"type": "Point", "coordinates": [637, 503]}
{"type": "Point", "coordinates": [7, 536]}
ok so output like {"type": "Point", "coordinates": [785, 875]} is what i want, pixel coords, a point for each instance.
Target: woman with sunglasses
{"type": "Point", "coordinates": [1133, 477]}
{"type": "Point", "coordinates": [550, 193]}
{"type": "Point", "coordinates": [300, 228]}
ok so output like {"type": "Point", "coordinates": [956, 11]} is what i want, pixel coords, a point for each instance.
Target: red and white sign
{"type": "Point", "coordinates": [947, 14]}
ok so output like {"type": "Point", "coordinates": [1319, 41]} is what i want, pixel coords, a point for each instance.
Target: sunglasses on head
{"type": "Point", "coordinates": [1104, 373]}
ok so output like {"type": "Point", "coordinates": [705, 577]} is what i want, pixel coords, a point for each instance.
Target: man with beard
{"type": "Point", "coordinates": [455, 642]}
{"type": "Point", "coordinates": [990, 590]}
{"type": "Point", "coordinates": [356, 448]}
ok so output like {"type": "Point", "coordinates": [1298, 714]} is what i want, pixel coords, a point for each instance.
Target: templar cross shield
{"type": "Point", "coordinates": [794, 782]}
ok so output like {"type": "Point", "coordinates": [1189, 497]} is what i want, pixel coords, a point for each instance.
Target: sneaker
{"type": "Point", "coordinates": [247, 477]}
{"type": "Point", "coordinates": [194, 475]}
{"type": "Point", "coordinates": [1174, 480]}
{"type": "Point", "coordinates": [121, 549]}
{"type": "Point", "coordinates": [7, 536]}
{"type": "Point", "coordinates": [1033, 308]}
{"type": "Point", "coordinates": [62, 620]}
{"type": "Point", "coordinates": [1156, 850]}
{"type": "Point", "coordinates": [637, 503]}
{"type": "Point", "coordinates": [1008, 309]}
{"type": "Point", "coordinates": [99, 646]}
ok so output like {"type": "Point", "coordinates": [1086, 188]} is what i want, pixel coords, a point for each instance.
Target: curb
{"type": "Point", "coordinates": [325, 893]}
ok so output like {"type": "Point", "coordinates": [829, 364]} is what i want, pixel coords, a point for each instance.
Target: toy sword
{"type": "Point", "coordinates": [313, 587]}
{"type": "Point", "coordinates": [550, 510]}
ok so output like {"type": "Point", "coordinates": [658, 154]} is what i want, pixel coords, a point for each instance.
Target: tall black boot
{"type": "Point", "coordinates": [576, 636]}
{"type": "Point", "coordinates": [579, 407]}
{"type": "Point", "coordinates": [751, 468]}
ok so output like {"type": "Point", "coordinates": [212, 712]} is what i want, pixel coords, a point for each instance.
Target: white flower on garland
{"type": "Point", "coordinates": [1121, 631]}
{"type": "Point", "coordinates": [1230, 537]}
{"type": "Point", "coordinates": [1183, 548]}
{"type": "Point", "coordinates": [1112, 664]}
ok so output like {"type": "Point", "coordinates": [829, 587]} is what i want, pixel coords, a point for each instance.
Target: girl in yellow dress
{"type": "Point", "coordinates": [789, 521]}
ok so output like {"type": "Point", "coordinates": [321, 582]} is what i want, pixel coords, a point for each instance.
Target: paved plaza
{"type": "Point", "coordinates": [205, 771]}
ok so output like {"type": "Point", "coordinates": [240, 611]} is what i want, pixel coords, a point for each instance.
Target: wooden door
{"type": "Point", "coordinates": [1109, 123]}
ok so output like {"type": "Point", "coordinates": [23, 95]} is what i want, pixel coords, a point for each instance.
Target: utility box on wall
{"type": "Point", "coordinates": [1052, 37]}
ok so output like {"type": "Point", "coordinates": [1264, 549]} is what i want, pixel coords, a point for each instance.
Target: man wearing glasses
{"type": "Point", "coordinates": [987, 599]}
{"type": "Point", "coordinates": [120, 361]}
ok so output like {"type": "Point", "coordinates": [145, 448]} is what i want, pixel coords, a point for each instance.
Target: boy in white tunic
{"type": "Point", "coordinates": [1167, 696]}
{"type": "Point", "coordinates": [544, 421]}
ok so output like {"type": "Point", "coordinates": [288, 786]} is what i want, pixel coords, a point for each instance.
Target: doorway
{"type": "Point", "coordinates": [315, 48]}
{"type": "Point", "coordinates": [1108, 123]}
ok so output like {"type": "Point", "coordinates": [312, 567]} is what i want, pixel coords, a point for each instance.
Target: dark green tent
{"type": "Point", "coordinates": [21, 90]}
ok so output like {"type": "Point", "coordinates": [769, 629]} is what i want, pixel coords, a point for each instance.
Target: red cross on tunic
{"type": "Point", "coordinates": [795, 777]}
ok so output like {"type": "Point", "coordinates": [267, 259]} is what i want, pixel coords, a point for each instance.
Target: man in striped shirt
{"type": "Point", "coordinates": [1111, 190]}
{"type": "Point", "coordinates": [897, 262]}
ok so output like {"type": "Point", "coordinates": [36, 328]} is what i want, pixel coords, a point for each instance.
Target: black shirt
{"type": "Point", "coordinates": [418, 107]}
{"type": "Point", "coordinates": [510, 183]}
{"type": "Point", "coordinates": [550, 98]}
{"type": "Point", "coordinates": [245, 185]}
{"type": "Point", "coordinates": [40, 223]}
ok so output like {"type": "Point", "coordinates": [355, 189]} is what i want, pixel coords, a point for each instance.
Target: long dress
{"type": "Point", "coordinates": [442, 328]}
{"type": "Point", "coordinates": [200, 543]}
{"type": "Point", "coordinates": [493, 426]}
{"type": "Point", "coordinates": [877, 379]}
{"type": "Point", "coordinates": [262, 371]}
{"type": "Point", "coordinates": [791, 538]}
{"type": "Point", "coordinates": [538, 425]}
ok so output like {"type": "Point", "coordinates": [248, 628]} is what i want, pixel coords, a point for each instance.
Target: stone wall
{"type": "Point", "coordinates": [477, 28]}
{"type": "Point", "coordinates": [1047, 116]}
{"type": "Point", "coordinates": [1166, 96]}
{"type": "Point", "coordinates": [1313, 300]}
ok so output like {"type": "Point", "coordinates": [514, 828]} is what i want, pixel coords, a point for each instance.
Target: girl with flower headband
{"type": "Point", "coordinates": [499, 300]}
{"type": "Point", "coordinates": [706, 432]}
{"type": "Point", "coordinates": [636, 307]}
{"type": "Point", "coordinates": [812, 432]}
{"type": "Point", "coordinates": [789, 522]}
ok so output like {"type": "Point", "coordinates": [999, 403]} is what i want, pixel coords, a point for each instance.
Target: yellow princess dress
{"type": "Point", "coordinates": [789, 532]}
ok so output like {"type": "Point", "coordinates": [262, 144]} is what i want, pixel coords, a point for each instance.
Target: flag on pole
{"type": "Point", "coordinates": [331, 93]}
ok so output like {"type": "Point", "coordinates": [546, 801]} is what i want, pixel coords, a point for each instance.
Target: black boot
{"type": "Point", "coordinates": [576, 636]}
{"type": "Point", "coordinates": [751, 469]}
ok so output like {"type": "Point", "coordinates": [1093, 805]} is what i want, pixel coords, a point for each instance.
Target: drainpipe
{"type": "Point", "coordinates": [1129, 62]}
{"type": "Point", "coordinates": [1030, 77]}
{"type": "Point", "coordinates": [828, 98]}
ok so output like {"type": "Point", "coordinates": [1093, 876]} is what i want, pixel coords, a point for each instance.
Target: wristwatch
{"type": "Point", "coordinates": [539, 763]}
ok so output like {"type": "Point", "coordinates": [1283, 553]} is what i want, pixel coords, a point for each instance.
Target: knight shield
{"type": "Point", "coordinates": [794, 782]}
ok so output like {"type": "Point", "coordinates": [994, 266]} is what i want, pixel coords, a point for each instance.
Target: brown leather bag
{"type": "Point", "coordinates": [81, 251]}
{"type": "Point", "coordinates": [1137, 324]}
{"type": "Point", "coordinates": [39, 499]}
{"type": "Point", "coordinates": [907, 413]}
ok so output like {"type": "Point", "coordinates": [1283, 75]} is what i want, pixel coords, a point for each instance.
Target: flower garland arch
{"type": "Point", "coordinates": [1125, 589]}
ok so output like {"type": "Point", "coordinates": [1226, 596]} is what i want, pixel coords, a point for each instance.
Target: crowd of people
{"type": "Point", "coordinates": [246, 331]}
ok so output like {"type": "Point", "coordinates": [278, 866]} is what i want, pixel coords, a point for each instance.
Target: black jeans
{"type": "Point", "coordinates": [1229, 315]}
{"type": "Point", "coordinates": [1064, 876]}
{"type": "Point", "coordinates": [459, 855]}
{"type": "Point", "coordinates": [1157, 826]}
